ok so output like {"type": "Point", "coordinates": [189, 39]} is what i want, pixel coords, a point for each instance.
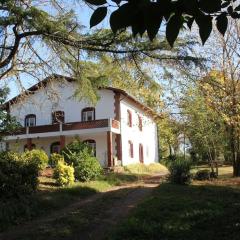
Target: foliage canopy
{"type": "Point", "coordinates": [148, 15]}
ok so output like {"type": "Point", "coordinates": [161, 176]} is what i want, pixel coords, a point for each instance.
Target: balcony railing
{"type": "Point", "coordinates": [102, 123]}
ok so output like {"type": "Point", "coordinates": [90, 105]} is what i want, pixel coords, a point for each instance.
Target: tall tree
{"type": "Point", "coordinates": [203, 126]}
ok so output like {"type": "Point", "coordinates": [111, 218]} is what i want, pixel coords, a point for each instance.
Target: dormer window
{"type": "Point", "coordinates": [88, 114]}
{"type": "Point", "coordinates": [140, 123]}
{"type": "Point", "coordinates": [30, 120]}
{"type": "Point", "coordinates": [58, 117]}
{"type": "Point", "coordinates": [129, 118]}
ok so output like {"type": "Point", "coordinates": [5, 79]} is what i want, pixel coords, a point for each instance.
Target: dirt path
{"type": "Point", "coordinates": [91, 218]}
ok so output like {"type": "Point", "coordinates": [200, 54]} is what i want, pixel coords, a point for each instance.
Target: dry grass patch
{"type": "Point", "coordinates": [143, 169]}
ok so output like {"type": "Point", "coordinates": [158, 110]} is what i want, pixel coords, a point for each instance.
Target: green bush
{"type": "Point", "coordinates": [17, 177]}
{"type": "Point", "coordinates": [37, 156]}
{"type": "Point", "coordinates": [55, 158]}
{"type": "Point", "coordinates": [180, 171]}
{"type": "Point", "coordinates": [74, 148]}
{"type": "Point", "coordinates": [63, 174]}
{"type": "Point", "coordinates": [88, 167]}
{"type": "Point", "coordinates": [202, 175]}
{"type": "Point", "coordinates": [79, 155]}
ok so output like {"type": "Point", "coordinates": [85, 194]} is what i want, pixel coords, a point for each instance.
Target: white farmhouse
{"type": "Point", "coordinates": [118, 127]}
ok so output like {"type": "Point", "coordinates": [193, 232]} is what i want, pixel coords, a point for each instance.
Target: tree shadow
{"type": "Point", "coordinates": [100, 212]}
{"type": "Point", "coordinates": [185, 212]}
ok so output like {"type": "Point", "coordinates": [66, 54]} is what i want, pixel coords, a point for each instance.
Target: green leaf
{"type": "Point", "coordinates": [152, 19]}
{"type": "Point", "coordinates": [237, 8]}
{"type": "Point", "coordinates": [98, 15]}
{"type": "Point", "coordinates": [173, 28]}
{"type": "Point", "coordinates": [204, 23]}
{"type": "Point", "coordinates": [222, 23]}
{"type": "Point", "coordinates": [138, 26]}
{"type": "Point", "coordinates": [225, 4]}
{"type": "Point", "coordinates": [122, 17]}
{"type": "Point", "coordinates": [190, 22]}
{"type": "Point", "coordinates": [116, 1]}
{"type": "Point", "coordinates": [96, 2]}
{"type": "Point", "coordinates": [210, 6]}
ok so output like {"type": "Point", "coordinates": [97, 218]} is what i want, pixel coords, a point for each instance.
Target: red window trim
{"type": "Point", "coordinates": [141, 153]}
{"type": "Point", "coordinates": [30, 116]}
{"type": "Point", "coordinates": [130, 145]}
{"type": "Point", "coordinates": [129, 118]}
{"type": "Point", "coordinates": [140, 125]}
{"type": "Point", "coordinates": [89, 109]}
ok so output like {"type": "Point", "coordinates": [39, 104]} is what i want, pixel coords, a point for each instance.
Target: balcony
{"type": "Point", "coordinates": [104, 124]}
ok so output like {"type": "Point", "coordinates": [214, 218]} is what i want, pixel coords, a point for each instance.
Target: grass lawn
{"type": "Point", "coordinates": [203, 210]}
{"type": "Point", "coordinates": [50, 197]}
{"type": "Point", "coordinates": [224, 171]}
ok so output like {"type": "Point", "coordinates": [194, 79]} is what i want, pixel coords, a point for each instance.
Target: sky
{"type": "Point", "coordinates": [84, 14]}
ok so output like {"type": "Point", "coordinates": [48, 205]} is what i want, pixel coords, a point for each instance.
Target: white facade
{"type": "Point", "coordinates": [60, 96]}
{"type": "Point", "coordinates": [147, 137]}
{"type": "Point", "coordinates": [105, 129]}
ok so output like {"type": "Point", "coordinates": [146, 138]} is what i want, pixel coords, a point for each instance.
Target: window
{"type": "Point", "coordinates": [130, 149]}
{"type": "Point", "coordinates": [92, 144]}
{"type": "Point", "coordinates": [30, 120]}
{"type": "Point", "coordinates": [55, 147]}
{"type": "Point", "coordinates": [141, 156]}
{"type": "Point", "coordinates": [129, 118]}
{"type": "Point", "coordinates": [140, 123]}
{"type": "Point", "coordinates": [33, 146]}
{"type": "Point", "coordinates": [88, 114]}
{"type": "Point", "coordinates": [58, 117]}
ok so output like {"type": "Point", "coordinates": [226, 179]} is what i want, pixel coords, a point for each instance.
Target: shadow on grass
{"type": "Point", "coordinates": [81, 220]}
{"type": "Point", "coordinates": [172, 212]}
{"type": "Point", "coordinates": [185, 212]}
{"type": "Point", "coordinates": [51, 198]}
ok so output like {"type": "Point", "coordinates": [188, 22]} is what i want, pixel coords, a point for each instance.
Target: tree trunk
{"type": "Point", "coordinates": [235, 152]}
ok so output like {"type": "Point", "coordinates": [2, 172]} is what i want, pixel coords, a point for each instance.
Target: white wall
{"type": "Point", "coordinates": [45, 144]}
{"type": "Point", "coordinates": [59, 97]}
{"type": "Point", "coordinates": [147, 137]}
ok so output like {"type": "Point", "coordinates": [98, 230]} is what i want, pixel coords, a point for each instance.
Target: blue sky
{"type": "Point", "coordinates": [84, 14]}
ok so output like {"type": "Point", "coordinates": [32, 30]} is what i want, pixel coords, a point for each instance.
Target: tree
{"type": "Point", "coordinates": [8, 124]}
{"type": "Point", "coordinates": [34, 38]}
{"type": "Point", "coordinates": [148, 15]}
{"type": "Point", "coordinates": [203, 126]}
{"type": "Point", "coordinates": [222, 94]}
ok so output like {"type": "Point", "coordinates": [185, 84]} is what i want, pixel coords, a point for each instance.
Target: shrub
{"type": "Point", "coordinates": [88, 168]}
{"type": "Point", "coordinates": [202, 175]}
{"type": "Point", "coordinates": [63, 174]}
{"type": "Point", "coordinates": [79, 155]}
{"type": "Point", "coordinates": [75, 148]}
{"type": "Point", "coordinates": [180, 171]}
{"type": "Point", "coordinates": [37, 156]}
{"type": "Point", "coordinates": [17, 177]}
{"type": "Point", "coordinates": [55, 158]}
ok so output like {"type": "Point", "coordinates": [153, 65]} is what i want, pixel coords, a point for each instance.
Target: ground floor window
{"type": "Point", "coordinates": [33, 146]}
{"type": "Point", "coordinates": [55, 147]}
{"type": "Point", "coordinates": [92, 144]}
